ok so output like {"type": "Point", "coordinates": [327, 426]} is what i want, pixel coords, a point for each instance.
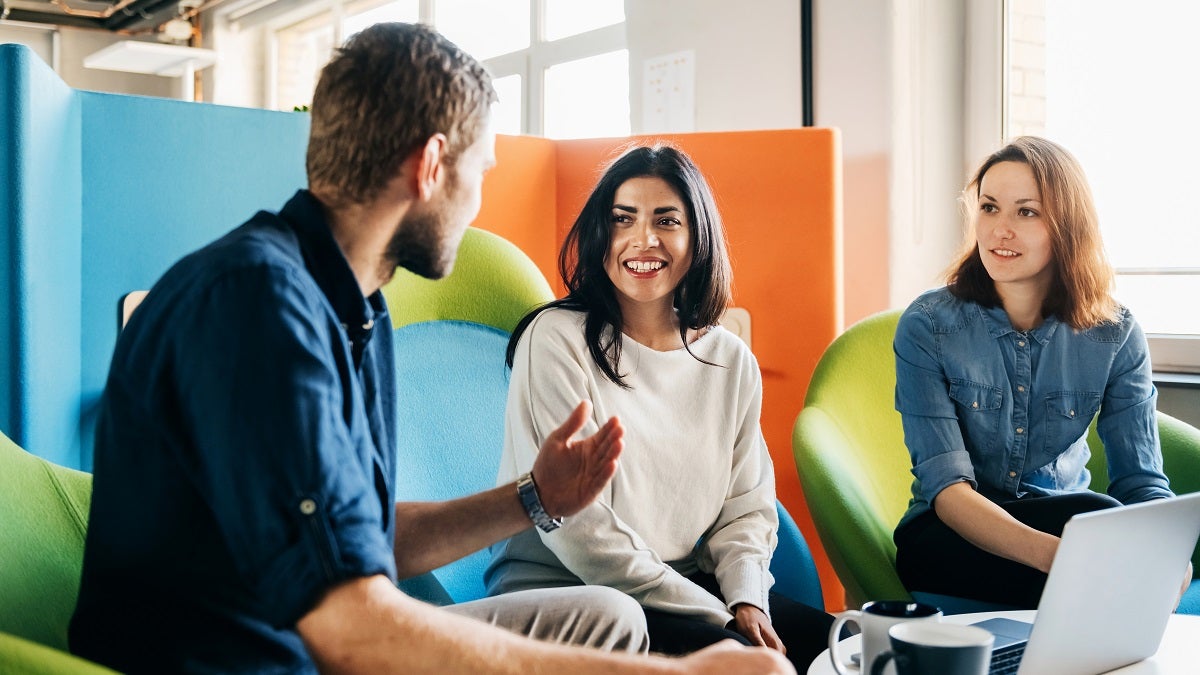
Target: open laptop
{"type": "Point", "coordinates": [1113, 585]}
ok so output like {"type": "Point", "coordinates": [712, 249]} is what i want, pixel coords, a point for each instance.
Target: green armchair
{"type": "Point", "coordinates": [43, 518]}
{"type": "Point", "coordinates": [850, 454]}
{"type": "Point", "coordinates": [849, 449]}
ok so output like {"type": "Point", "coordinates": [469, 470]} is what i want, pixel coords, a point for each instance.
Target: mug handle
{"type": "Point", "coordinates": [835, 632]}
{"type": "Point", "coordinates": [881, 661]}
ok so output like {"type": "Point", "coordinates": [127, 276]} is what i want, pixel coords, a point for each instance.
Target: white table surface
{"type": "Point", "coordinates": [1178, 655]}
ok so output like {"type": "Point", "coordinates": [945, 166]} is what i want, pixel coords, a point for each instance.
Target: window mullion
{"type": "Point", "coordinates": [534, 109]}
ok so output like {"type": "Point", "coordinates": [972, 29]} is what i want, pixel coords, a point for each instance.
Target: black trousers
{"type": "Point", "coordinates": [933, 558]}
{"type": "Point", "coordinates": [804, 630]}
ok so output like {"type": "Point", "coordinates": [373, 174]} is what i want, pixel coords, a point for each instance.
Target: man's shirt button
{"type": "Point", "coordinates": [308, 507]}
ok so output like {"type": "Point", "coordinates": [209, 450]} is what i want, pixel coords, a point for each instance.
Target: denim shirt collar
{"type": "Point", "coordinates": [998, 324]}
{"type": "Point", "coordinates": [328, 265]}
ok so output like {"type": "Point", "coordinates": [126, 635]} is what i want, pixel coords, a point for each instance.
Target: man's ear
{"type": "Point", "coordinates": [431, 166]}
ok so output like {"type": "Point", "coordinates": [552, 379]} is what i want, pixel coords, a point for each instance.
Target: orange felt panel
{"type": "Point", "coordinates": [779, 193]}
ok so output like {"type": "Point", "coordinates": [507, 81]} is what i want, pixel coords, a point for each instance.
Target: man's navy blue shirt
{"type": "Point", "coordinates": [245, 455]}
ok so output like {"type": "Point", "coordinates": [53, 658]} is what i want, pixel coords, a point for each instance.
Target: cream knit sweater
{"type": "Point", "coordinates": [695, 489]}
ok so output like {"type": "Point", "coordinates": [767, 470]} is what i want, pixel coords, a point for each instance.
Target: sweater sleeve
{"type": "Point", "coordinates": [550, 376]}
{"type": "Point", "coordinates": [740, 544]}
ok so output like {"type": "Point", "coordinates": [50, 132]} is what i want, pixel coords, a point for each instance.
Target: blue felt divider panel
{"type": "Point", "coordinates": [163, 178]}
{"type": "Point", "coordinates": [40, 216]}
{"type": "Point", "coordinates": [452, 388]}
{"type": "Point", "coordinates": [100, 194]}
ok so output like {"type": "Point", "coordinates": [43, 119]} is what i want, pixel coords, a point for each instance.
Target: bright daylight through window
{"type": "Point", "coordinates": [1106, 79]}
{"type": "Point", "coordinates": [569, 81]}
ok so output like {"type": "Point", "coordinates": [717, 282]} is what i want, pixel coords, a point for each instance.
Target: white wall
{"type": "Point", "coordinates": [240, 76]}
{"type": "Point", "coordinates": [37, 38]}
{"type": "Point", "coordinates": [892, 75]}
{"type": "Point", "coordinates": [747, 58]}
{"type": "Point", "coordinates": [852, 45]}
{"type": "Point", "coordinates": [928, 84]}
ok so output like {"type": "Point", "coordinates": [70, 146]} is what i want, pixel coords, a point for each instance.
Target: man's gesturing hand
{"type": "Point", "coordinates": [570, 474]}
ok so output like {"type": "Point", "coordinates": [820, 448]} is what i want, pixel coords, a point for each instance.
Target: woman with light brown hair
{"type": "Point", "coordinates": [1000, 373]}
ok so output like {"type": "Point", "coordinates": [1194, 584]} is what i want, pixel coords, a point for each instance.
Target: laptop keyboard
{"type": "Point", "coordinates": [1006, 659]}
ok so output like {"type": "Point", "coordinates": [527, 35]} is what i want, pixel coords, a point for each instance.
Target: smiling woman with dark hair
{"type": "Point", "coordinates": [687, 526]}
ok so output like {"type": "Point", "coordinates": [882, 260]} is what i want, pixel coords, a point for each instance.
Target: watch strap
{"type": "Point", "coordinates": [527, 491]}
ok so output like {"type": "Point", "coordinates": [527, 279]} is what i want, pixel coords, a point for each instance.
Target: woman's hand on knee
{"type": "Point", "coordinates": [753, 624]}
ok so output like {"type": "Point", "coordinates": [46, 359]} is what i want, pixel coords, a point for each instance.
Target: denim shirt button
{"type": "Point", "coordinates": [1020, 430]}
{"type": "Point", "coordinates": [1072, 413]}
{"type": "Point", "coordinates": [1012, 474]}
{"type": "Point", "coordinates": [1020, 343]}
{"type": "Point", "coordinates": [975, 404]}
{"type": "Point", "coordinates": [308, 507]}
{"type": "Point", "coordinates": [1020, 387]}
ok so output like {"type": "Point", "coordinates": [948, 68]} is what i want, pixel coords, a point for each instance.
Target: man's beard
{"type": "Point", "coordinates": [418, 247]}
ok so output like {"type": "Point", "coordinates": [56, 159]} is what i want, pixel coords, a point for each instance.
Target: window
{"type": "Point", "coordinates": [1103, 78]}
{"type": "Point", "coordinates": [588, 97]}
{"type": "Point", "coordinates": [564, 18]}
{"type": "Point", "coordinates": [484, 28]}
{"type": "Point", "coordinates": [560, 67]}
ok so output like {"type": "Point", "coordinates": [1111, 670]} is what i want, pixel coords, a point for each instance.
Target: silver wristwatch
{"type": "Point", "coordinates": [527, 491]}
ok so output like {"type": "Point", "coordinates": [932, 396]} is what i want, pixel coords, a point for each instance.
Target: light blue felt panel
{"type": "Point", "coordinates": [40, 217]}
{"type": "Point", "coordinates": [162, 178]}
{"type": "Point", "coordinates": [452, 385]}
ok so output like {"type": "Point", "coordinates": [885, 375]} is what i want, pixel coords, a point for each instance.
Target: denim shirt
{"type": "Point", "coordinates": [1008, 411]}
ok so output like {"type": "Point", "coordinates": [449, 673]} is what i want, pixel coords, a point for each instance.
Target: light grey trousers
{"type": "Point", "coordinates": [589, 616]}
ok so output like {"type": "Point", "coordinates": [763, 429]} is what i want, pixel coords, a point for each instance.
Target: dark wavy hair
{"type": "Point", "coordinates": [1081, 291]}
{"type": "Point", "coordinates": [701, 296]}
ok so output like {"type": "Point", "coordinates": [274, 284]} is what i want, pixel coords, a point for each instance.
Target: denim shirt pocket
{"type": "Point", "coordinates": [1068, 414]}
{"type": "Point", "coordinates": [978, 408]}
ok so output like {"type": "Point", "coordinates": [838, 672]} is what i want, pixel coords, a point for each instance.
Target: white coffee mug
{"type": "Point", "coordinates": [874, 620]}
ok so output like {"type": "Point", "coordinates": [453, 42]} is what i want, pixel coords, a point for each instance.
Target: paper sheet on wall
{"type": "Point", "coordinates": [669, 93]}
